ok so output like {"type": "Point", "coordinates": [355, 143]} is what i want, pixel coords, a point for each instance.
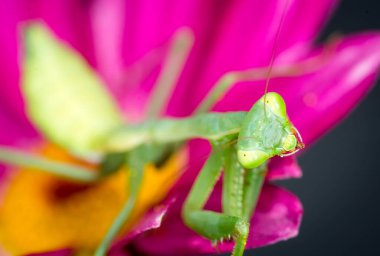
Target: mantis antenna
{"type": "Point", "coordinates": [274, 50]}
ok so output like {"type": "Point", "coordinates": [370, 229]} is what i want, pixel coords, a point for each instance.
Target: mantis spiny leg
{"type": "Point", "coordinates": [212, 225]}
{"type": "Point", "coordinates": [175, 61]}
{"type": "Point", "coordinates": [253, 182]}
{"type": "Point", "coordinates": [233, 180]}
{"type": "Point", "coordinates": [136, 167]}
{"type": "Point", "coordinates": [69, 171]}
{"type": "Point", "coordinates": [135, 161]}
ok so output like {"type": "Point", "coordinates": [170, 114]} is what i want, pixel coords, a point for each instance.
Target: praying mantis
{"type": "Point", "coordinates": [70, 107]}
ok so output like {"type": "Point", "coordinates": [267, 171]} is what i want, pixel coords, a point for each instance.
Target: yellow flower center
{"type": "Point", "coordinates": [40, 212]}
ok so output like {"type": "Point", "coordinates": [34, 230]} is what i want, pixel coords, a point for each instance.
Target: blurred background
{"type": "Point", "coordinates": [340, 188]}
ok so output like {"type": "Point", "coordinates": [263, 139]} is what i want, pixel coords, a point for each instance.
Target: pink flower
{"type": "Point", "coordinates": [230, 35]}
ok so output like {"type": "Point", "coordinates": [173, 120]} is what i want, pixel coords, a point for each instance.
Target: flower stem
{"type": "Point", "coordinates": [73, 172]}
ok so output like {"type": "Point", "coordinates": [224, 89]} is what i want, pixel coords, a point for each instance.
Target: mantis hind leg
{"type": "Point", "coordinates": [224, 84]}
{"type": "Point", "coordinates": [136, 167]}
{"type": "Point", "coordinates": [212, 225]}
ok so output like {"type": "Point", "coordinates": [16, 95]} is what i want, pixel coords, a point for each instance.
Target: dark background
{"type": "Point", "coordinates": [340, 189]}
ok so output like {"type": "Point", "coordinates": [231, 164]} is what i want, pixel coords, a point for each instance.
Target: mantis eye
{"type": "Point", "coordinates": [252, 158]}
{"type": "Point", "coordinates": [289, 143]}
{"type": "Point", "coordinates": [275, 103]}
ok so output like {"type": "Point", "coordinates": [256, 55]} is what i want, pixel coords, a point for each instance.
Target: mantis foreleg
{"type": "Point", "coordinates": [253, 183]}
{"type": "Point", "coordinates": [212, 225]}
{"type": "Point", "coordinates": [233, 181]}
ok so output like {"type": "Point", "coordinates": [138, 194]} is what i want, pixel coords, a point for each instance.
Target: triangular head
{"type": "Point", "coordinates": [267, 132]}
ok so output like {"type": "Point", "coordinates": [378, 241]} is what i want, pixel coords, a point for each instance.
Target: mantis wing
{"type": "Point", "coordinates": [65, 99]}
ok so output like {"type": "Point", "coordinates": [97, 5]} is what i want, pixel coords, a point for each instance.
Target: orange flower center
{"type": "Point", "coordinates": [41, 212]}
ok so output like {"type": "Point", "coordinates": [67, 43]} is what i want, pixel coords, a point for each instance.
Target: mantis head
{"type": "Point", "coordinates": [267, 132]}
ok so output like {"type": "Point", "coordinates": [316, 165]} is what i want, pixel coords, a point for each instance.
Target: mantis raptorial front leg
{"type": "Point", "coordinates": [212, 225]}
{"type": "Point", "coordinates": [239, 186]}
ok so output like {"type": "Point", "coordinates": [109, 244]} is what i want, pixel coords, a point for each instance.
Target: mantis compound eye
{"type": "Point", "coordinates": [275, 103]}
{"type": "Point", "coordinates": [289, 143]}
{"type": "Point", "coordinates": [292, 143]}
{"type": "Point", "coordinates": [252, 158]}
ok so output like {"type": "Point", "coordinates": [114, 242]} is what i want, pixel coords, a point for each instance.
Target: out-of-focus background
{"type": "Point", "coordinates": [340, 188]}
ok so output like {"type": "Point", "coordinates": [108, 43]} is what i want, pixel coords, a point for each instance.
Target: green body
{"type": "Point", "coordinates": [67, 103]}
{"type": "Point", "coordinates": [211, 126]}
{"type": "Point", "coordinates": [53, 76]}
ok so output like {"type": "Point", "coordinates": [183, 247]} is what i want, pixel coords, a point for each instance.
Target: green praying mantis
{"type": "Point", "coordinates": [70, 107]}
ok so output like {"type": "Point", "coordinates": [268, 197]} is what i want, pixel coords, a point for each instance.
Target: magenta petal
{"type": "Point", "coordinates": [284, 168]}
{"type": "Point", "coordinates": [68, 18]}
{"type": "Point", "coordinates": [318, 102]}
{"type": "Point", "coordinates": [244, 36]}
{"type": "Point", "coordinates": [10, 96]}
{"type": "Point", "coordinates": [108, 22]}
{"type": "Point", "coordinates": [12, 133]}
{"type": "Point", "coordinates": [151, 220]}
{"type": "Point", "coordinates": [277, 218]}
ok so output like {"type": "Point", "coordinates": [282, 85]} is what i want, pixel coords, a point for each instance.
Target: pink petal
{"type": "Point", "coordinates": [277, 218]}
{"type": "Point", "coordinates": [13, 133]}
{"type": "Point", "coordinates": [10, 97]}
{"type": "Point", "coordinates": [329, 95]}
{"type": "Point", "coordinates": [108, 23]}
{"type": "Point", "coordinates": [151, 24]}
{"type": "Point", "coordinates": [68, 18]}
{"type": "Point", "coordinates": [284, 168]}
{"type": "Point", "coordinates": [151, 220]}
{"type": "Point", "coordinates": [243, 37]}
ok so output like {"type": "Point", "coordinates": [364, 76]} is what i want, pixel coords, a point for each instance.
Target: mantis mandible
{"type": "Point", "coordinates": [57, 81]}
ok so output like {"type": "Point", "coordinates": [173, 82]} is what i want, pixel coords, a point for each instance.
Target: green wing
{"type": "Point", "coordinates": [65, 99]}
